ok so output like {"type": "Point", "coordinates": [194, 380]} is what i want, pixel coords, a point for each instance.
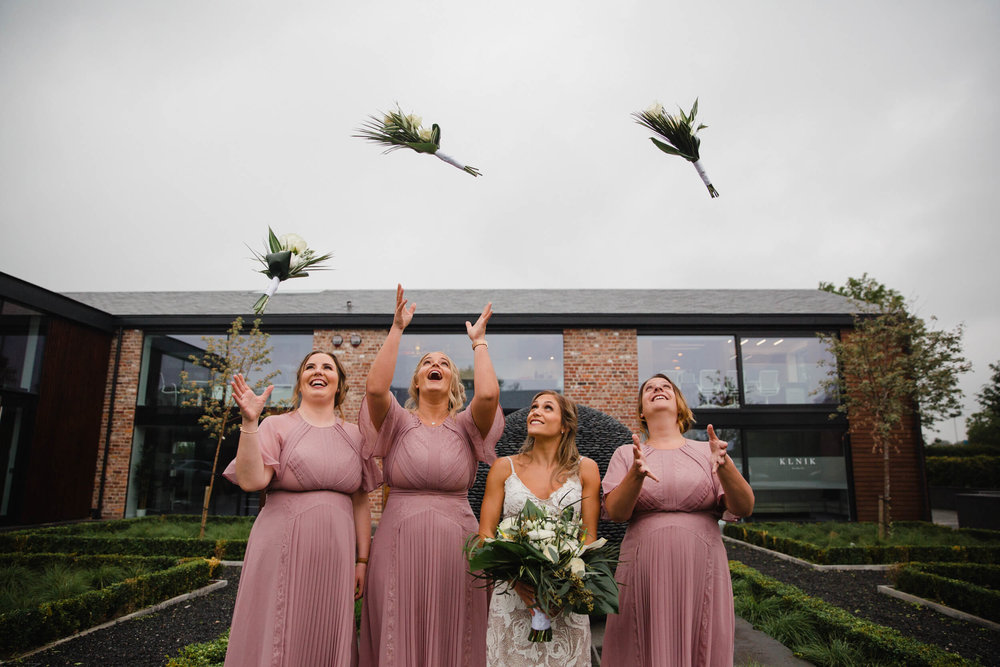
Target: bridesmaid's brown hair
{"type": "Point", "coordinates": [685, 418]}
{"type": "Point", "coordinates": [567, 455]}
{"type": "Point", "coordinates": [342, 387]}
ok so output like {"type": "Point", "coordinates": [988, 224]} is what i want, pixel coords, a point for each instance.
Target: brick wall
{"type": "Point", "coordinates": [601, 371]}
{"type": "Point", "coordinates": [357, 361]}
{"type": "Point", "coordinates": [120, 443]}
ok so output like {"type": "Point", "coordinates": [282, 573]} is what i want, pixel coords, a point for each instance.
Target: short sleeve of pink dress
{"type": "Point", "coordinates": [269, 439]}
{"type": "Point", "coordinates": [674, 567]}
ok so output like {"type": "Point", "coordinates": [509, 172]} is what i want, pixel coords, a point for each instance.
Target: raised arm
{"type": "Point", "coordinates": [590, 478]}
{"type": "Point", "coordinates": [251, 473]}
{"type": "Point", "coordinates": [620, 501]}
{"type": "Point", "coordinates": [487, 390]}
{"type": "Point", "coordinates": [380, 376]}
{"type": "Point", "coordinates": [739, 496]}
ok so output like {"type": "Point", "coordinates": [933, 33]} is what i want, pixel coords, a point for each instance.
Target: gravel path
{"type": "Point", "coordinates": [147, 641]}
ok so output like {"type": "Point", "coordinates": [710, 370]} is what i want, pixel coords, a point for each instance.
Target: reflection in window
{"type": "Point", "coordinates": [785, 370]}
{"type": "Point", "coordinates": [799, 473]}
{"type": "Point", "coordinates": [703, 367]}
{"type": "Point", "coordinates": [22, 338]}
{"type": "Point", "coordinates": [525, 363]}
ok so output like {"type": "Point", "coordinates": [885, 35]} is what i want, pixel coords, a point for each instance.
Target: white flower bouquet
{"type": "Point", "coordinates": [287, 256]}
{"type": "Point", "coordinates": [397, 130]}
{"type": "Point", "coordinates": [679, 134]}
{"type": "Point", "coordinates": [547, 552]}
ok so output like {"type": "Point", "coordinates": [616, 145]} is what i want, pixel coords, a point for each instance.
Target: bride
{"type": "Point", "coordinates": [551, 473]}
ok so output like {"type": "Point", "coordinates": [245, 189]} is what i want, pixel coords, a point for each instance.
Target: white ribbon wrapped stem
{"type": "Point", "coordinates": [539, 621]}
{"type": "Point", "coordinates": [701, 172]}
{"type": "Point", "coordinates": [449, 159]}
{"type": "Point", "coordinates": [273, 287]}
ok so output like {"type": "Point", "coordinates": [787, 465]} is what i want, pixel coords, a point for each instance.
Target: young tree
{"type": "Point", "coordinates": [984, 426]}
{"type": "Point", "coordinates": [892, 364]}
{"type": "Point", "coordinates": [236, 352]}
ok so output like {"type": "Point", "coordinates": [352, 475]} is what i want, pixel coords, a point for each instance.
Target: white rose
{"type": "Point", "coordinates": [540, 534]}
{"type": "Point", "coordinates": [414, 121]}
{"type": "Point", "coordinates": [293, 242]}
{"type": "Point", "coordinates": [655, 109]}
{"type": "Point", "coordinates": [507, 524]}
{"type": "Point", "coordinates": [596, 544]}
{"type": "Point", "coordinates": [577, 566]}
{"type": "Point", "coordinates": [425, 134]}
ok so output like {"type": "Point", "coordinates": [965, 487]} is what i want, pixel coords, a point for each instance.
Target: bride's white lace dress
{"type": "Point", "coordinates": [507, 642]}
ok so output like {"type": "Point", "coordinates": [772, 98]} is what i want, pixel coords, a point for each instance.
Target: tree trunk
{"type": "Point", "coordinates": [215, 463]}
{"type": "Point", "coordinates": [885, 513]}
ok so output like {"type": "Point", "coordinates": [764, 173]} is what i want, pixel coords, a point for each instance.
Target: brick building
{"type": "Point", "coordinates": [92, 391]}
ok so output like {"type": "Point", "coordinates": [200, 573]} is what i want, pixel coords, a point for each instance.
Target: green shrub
{"type": "Point", "coordinates": [206, 654]}
{"type": "Point", "coordinates": [846, 638]}
{"type": "Point", "coordinates": [972, 472]}
{"type": "Point", "coordinates": [969, 588]}
{"type": "Point", "coordinates": [961, 450]}
{"type": "Point", "coordinates": [25, 628]}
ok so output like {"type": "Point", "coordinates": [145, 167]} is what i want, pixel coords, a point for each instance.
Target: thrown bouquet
{"type": "Point", "coordinates": [397, 130]}
{"type": "Point", "coordinates": [547, 552]}
{"type": "Point", "coordinates": [287, 256]}
{"type": "Point", "coordinates": [679, 134]}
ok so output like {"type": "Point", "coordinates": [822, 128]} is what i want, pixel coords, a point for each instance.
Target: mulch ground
{"type": "Point", "coordinates": [148, 640]}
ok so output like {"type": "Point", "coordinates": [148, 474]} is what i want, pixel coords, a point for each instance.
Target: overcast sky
{"type": "Point", "coordinates": [142, 144]}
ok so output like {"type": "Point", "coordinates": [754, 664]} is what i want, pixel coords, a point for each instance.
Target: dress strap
{"type": "Point", "coordinates": [510, 460]}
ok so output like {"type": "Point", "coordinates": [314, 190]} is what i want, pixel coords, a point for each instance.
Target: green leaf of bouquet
{"type": "Point", "coordinates": [666, 148]}
{"type": "Point", "coordinates": [423, 146]}
{"type": "Point", "coordinates": [272, 240]}
{"type": "Point", "coordinates": [436, 134]}
{"type": "Point", "coordinates": [694, 110]}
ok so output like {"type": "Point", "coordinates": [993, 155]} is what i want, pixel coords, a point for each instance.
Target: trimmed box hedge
{"type": "Point", "coordinates": [105, 537]}
{"type": "Point", "coordinates": [21, 630]}
{"type": "Point", "coordinates": [878, 643]}
{"type": "Point", "coordinates": [760, 535]}
{"type": "Point", "coordinates": [972, 588]}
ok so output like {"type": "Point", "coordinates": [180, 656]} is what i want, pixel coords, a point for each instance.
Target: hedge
{"type": "Point", "coordinates": [960, 450]}
{"type": "Point", "coordinates": [136, 546]}
{"type": "Point", "coordinates": [877, 642]}
{"type": "Point", "coordinates": [974, 472]}
{"type": "Point", "coordinates": [861, 555]}
{"type": "Point", "coordinates": [203, 654]}
{"type": "Point", "coordinates": [970, 588]}
{"type": "Point", "coordinates": [22, 630]}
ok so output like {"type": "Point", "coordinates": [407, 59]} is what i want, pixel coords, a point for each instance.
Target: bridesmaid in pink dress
{"type": "Point", "coordinates": [676, 600]}
{"type": "Point", "coordinates": [421, 606]}
{"type": "Point", "coordinates": [305, 560]}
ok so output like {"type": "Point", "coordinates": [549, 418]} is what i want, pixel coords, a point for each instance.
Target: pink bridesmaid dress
{"type": "Point", "coordinates": [676, 596]}
{"type": "Point", "coordinates": [295, 604]}
{"type": "Point", "coordinates": [422, 607]}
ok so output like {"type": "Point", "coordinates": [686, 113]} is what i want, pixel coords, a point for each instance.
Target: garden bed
{"type": "Point", "coordinates": [972, 588]}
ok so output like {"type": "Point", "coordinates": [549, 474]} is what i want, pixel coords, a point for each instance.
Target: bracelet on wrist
{"type": "Point", "coordinates": [361, 560]}
{"type": "Point", "coordinates": [482, 342]}
{"type": "Point", "coordinates": [243, 430]}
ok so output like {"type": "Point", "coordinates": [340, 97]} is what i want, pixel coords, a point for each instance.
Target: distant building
{"type": "Point", "coordinates": [748, 361]}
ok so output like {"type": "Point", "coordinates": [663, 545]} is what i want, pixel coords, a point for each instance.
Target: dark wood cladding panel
{"type": "Point", "coordinates": [60, 467]}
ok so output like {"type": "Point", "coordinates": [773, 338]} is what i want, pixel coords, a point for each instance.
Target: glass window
{"type": "Point", "coordinates": [704, 367]}
{"type": "Point", "coordinates": [730, 435]}
{"type": "Point", "coordinates": [798, 472]}
{"type": "Point", "coordinates": [525, 363]}
{"type": "Point", "coordinates": [785, 370]}
{"type": "Point", "coordinates": [22, 338]}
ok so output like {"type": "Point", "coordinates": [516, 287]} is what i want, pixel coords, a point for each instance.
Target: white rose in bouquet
{"type": "Point", "coordinates": [577, 566]}
{"type": "Point", "coordinates": [293, 242]}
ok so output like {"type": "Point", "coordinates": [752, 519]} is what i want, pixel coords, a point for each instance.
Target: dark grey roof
{"type": "Point", "coordinates": [468, 302]}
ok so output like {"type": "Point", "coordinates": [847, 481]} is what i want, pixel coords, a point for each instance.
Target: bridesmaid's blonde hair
{"type": "Point", "coordinates": [456, 392]}
{"type": "Point", "coordinates": [567, 454]}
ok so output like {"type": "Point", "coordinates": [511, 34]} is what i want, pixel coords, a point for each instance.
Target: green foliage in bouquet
{"type": "Point", "coordinates": [288, 256]}
{"type": "Point", "coordinates": [547, 552]}
{"type": "Point", "coordinates": [397, 130]}
{"type": "Point", "coordinates": [679, 134]}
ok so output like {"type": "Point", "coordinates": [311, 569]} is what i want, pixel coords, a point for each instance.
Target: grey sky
{"type": "Point", "coordinates": [143, 143]}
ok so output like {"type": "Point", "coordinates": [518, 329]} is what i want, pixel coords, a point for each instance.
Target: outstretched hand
{"type": "Point", "coordinates": [639, 465]}
{"type": "Point", "coordinates": [402, 317]}
{"type": "Point", "coordinates": [477, 331]}
{"type": "Point", "coordinates": [718, 449]}
{"type": "Point", "coordinates": [251, 404]}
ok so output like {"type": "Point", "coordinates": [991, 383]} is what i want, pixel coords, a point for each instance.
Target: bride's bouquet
{"type": "Point", "coordinates": [397, 130]}
{"type": "Point", "coordinates": [680, 136]}
{"type": "Point", "coordinates": [547, 552]}
{"type": "Point", "coordinates": [287, 256]}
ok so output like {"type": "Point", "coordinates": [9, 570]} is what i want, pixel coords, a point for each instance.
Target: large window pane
{"type": "Point", "coordinates": [798, 472]}
{"type": "Point", "coordinates": [704, 367]}
{"type": "Point", "coordinates": [525, 363]}
{"type": "Point", "coordinates": [22, 338]}
{"type": "Point", "coordinates": [730, 435]}
{"type": "Point", "coordinates": [785, 370]}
